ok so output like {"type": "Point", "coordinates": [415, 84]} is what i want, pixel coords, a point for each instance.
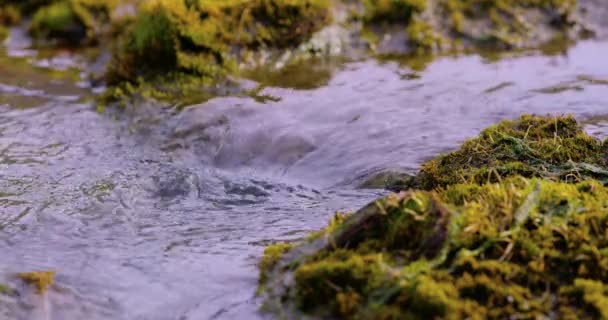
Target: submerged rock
{"type": "Point", "coordinates": [503, 247]}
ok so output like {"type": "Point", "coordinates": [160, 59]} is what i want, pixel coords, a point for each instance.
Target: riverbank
{"type": "Point", "coordinates": [164, 50]}
{"type": "Point", "coordinates": [513, 228]}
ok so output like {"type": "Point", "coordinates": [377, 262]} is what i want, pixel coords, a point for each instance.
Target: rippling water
{"type": "Point", "coordinates": [155, 214]}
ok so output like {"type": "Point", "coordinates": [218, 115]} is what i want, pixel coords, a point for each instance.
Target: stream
{"type": "Point", "coordinates": [154, 213]}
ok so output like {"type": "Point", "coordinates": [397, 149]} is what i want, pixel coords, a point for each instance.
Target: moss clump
{"type": "Point", "coordinates": [423, 37]}
{"type": "Point", "coordinates": [71, 21]}
{"type": "Point", "coordinates": [516, 249]}
{"type": "Point", "coordinates": [39, 279]}
{"type": "Point", "coordinates": [204, 39]}
{"type": "Point", "coordinates": [9, 15]}
{"type": "Point", "coordinates": [505, 24]}
{"type": "Point", "coordinates": [442, 25]}
{"type": "Point", "coordinates": [551, 147]}
{"type": "Point", "coordinates": [394, 11]}
{"type": "Point", "coordinates": [272, 253]}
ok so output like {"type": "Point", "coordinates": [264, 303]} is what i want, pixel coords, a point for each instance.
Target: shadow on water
{"type": "Point", "coordinates": [163, 215]}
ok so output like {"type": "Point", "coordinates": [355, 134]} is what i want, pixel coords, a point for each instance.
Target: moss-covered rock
{"type": "Point", "coordinates": [71, 21]}
{"type": "Point", "coordinates": [513, 225]}
{"type": "Point", "coordinates": [440, 25]}
{"type": "Point", "coordinates": [206, 38]}
{"type": "Point", "coordinates": [516, 249]}
{"type": "Point", "coordinates": [555, 148]}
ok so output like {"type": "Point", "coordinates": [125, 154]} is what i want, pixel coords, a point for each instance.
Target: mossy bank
{"type": "Point", "coordinates": [512, 246]}
{"type": "Point", "coordinates": [161, 48]}
{"type": "Point", "coordinates": [455, 25]}
{"type": "Point", "coordinates": [172, 45]}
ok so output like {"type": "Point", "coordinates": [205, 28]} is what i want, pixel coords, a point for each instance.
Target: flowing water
{"type": "Point", "coordinates": [153, 213]}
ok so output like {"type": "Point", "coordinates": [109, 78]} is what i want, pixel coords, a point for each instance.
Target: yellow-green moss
{"type": "Point", "coordinates": [71, 21]}
{"type": "Point", "coordinates": [272, 253]}
{"type": "Point", "coordinates": [205, 38]}
{"type": "Point", "coordinates": [519, 229]}
{"type": "Point", "coordinates": [462, 24]}
{"type": "Point", "coordinates": [516, 249]}
{"type": "Point", "coordinates": [42, 280]}
{"type": "Point", "coordinates": [423, 37]}
{"type": "Point", "coordinates": [533, 146]}
{"type": "Point", "coordinates": [392, 11]}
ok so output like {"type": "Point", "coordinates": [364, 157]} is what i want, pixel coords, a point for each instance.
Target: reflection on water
{"type": "Point", "coordinates": [163, 215]}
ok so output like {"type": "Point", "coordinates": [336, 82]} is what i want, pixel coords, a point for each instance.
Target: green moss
{"type": "Point", "coordinates": [395, 11]}
{"type": "Point", "coordinates": [453, 25]}
{"type": "Point", "coordinates": [71, 21]}
{"type": "Point", "coordinates": [423, 37]}
{"type": "Point", "coordinates": [42, 280]}
{"type": "Point", "coordinates": [518, 229]}
{"type": "Point", "coordinates": [552, 147]}
{"type": "Point", "coordinates": [520, 248]}
{"type": "Point", "coordinates": [504, 24]}
{"type": "Point", "coordinates": [148, 49]}
{"type": "Point", "coordinates": [589, 293]}
{"type": "Point", "coordinates": [272, 253]}
{"type": "Point", "coordinates": [58, 20]}
{"type": "Point", "coordinates": [205, 39]}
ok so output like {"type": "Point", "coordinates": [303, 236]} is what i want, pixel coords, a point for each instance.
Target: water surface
{"type": "Point", "coordinates": [157, 214]}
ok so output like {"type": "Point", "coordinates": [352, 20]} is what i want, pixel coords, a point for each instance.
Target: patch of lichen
{"type": "Point", "coordinates": [206, 39]}
{"type": "Point", "coordinates": [516, 249]}
{"type": "Point", "coordinates": [551, 147]}
{"type": "Point", "coordinates": [72, 21]}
